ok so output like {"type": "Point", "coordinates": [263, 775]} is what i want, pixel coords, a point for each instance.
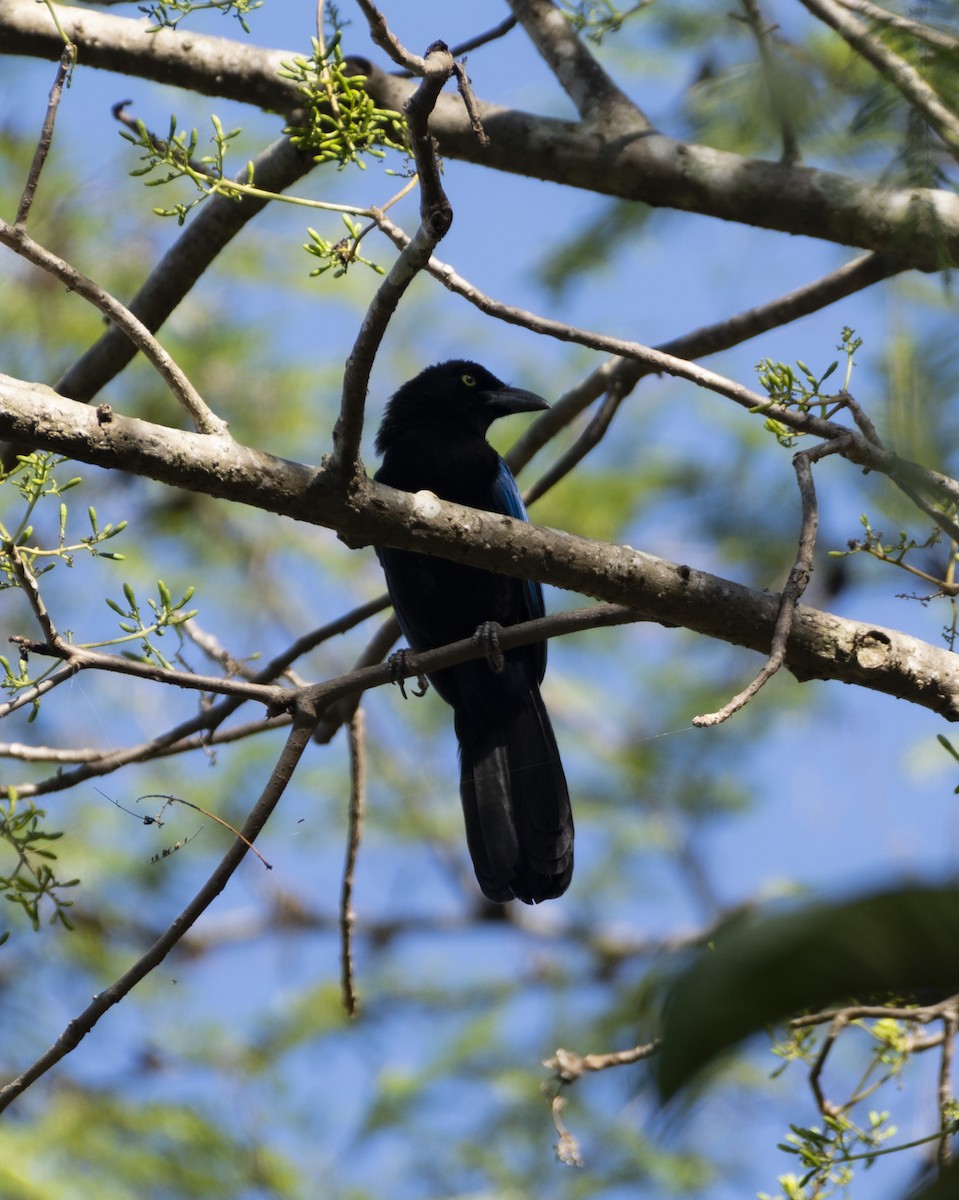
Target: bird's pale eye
{"type": "Point", "coordinates": [468, 380]}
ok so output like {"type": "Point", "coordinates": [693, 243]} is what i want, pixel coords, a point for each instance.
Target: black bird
{"type": "Point", "coordinates": [519, 826]}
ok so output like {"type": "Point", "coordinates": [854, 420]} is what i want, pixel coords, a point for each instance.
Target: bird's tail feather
{"type": "Point", "coordinates": [519, 825]}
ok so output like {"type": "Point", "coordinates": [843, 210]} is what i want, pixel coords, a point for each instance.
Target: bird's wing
{"type": "Point", "coordinates": [509, 501]}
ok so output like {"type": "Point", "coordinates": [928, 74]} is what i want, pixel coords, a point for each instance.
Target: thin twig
{"type": "Point", "coordinates": [269, 695]}
{"type": "Point", "coordinates": [569, 1065]}
{"type": "Point", "coordinates": [483, 39]}
{"type": "Point", "coordinates": [826, 1107]}
{"type": "Point", "coordinates": [34, 693]}
{"type": "Point", "coordinates": [199, 731]}
{"type": "Point", "coordinates": [591, 436]}
{"type": "Point", "coordinates": [667, 359]}
{"type": "Point", "coordinates": [469, 101]}
{"type": "Point", "coordinates": [170, 799]}
{"type": "Point", "coordinates": [31, 590]}
{"type": "Point", "coordinates": [357, 741]}
{"type": "Point", "coordinates": [922, 1014]}
{"type": "Point", "coordinates": [201, 741]}
{"type": "Point", "coordinates": [67, 59]}
{"type": "Point", "coordinates": [795, 584]}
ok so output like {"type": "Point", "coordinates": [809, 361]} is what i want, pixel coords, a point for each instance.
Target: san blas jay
{"type": "Point", "coordinates": [519, 825]}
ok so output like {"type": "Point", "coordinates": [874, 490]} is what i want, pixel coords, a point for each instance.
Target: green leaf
{"type": "Point", "coordinates": [762, 970]}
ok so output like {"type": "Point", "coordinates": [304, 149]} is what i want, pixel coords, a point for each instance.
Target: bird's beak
{"type": "Point", "coordinates": [506, 401]}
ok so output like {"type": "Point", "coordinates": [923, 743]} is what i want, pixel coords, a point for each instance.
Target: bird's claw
{"type": "Point", "coordinates": [401, 663]}
{"type": "Point", "coordinates": [488, 634]}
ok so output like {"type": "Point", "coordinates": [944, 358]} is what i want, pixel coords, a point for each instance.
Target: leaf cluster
{"type": "Point", "coordinates": [175, 155]}
{"type": "Point", "coordinates": [167, 14]}
{"type": "Point", "coordinates": [803, 391]}
{"type": "Point", "coordinates": [597, 18]}
{"type": "Point", "coordinates": [32, 879]}
{"type": "Point", "coordinates": [339, 121]}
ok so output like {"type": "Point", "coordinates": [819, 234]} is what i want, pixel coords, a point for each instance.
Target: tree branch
{"type": "Point", "coordinates": [80, 1026]}
{"type": "Point", "coordinates": [821, 645]}
{"type": "Point", "coordinates": [920, 225]}
{"type": "Point", "coordinates": [598, 100]}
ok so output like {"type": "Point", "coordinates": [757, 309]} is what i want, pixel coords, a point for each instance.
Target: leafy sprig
{"type": "Point", "coordinates": [596, 18]}
{"type": "Point", "coordinates": [32, 881]}
{"type": "Point", "coordinates": [801, 389]}
{"type": "Point", "coordinates": [828, 1154]}
{"type": "Point", "coordinates": [339, 256]}
{"type": "Point", "coordinates": [175, 156]}
{"type": "Point", "coordinates": [340, 120]}
{"type": "Point", "coordinates": [167, 14]}
{"type": "Point", "coordinates": [166, 614]}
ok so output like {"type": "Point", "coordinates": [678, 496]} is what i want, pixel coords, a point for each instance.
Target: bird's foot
{"type": "Point", "coordinates": [488, 635]}
{"type": "Point", "coordinates": [401, 664]}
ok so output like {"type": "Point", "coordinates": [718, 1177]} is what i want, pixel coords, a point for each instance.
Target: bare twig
{"type": "Point", "coordinates": [206, 813]}
{"type": "Point", "coordinates": [354, 832]}
{"type": "Point", "coordinates": [269, 695]}
{"type": "Point", "coordinates": [67, 59]}
{"type": "Point", "coordinates": [569, 1066]}
{"type": "Point", "coordinates": [846, 280]}
{"type": "Point", "coordinates": [483, 39]}
{"type": "Point", "coordinates": [32, 694]}
{"type": "Point", "coordinates": [198, 732]}
{"type": "Point", "coordinates": [666, 360]}
{"type": "Point", "coordinates": [567, 1148]}
{"type": "Point", "coordinates": [469, 100]}
{"type": "Point", "coordinates": [836, 1026]}
{"type": "Point", "coordinates": [795, 584]}
{"type": "Point", "coordinates": [28, 584]}
{"type": "Point", "coordinates": [591, 436]}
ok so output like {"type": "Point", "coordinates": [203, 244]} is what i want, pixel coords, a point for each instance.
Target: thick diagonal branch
{"type": "Point", "coordinates": [821, 645]}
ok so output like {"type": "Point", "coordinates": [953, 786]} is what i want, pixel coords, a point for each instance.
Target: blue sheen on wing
{"type": "Point", "coordinates": [508, 495]}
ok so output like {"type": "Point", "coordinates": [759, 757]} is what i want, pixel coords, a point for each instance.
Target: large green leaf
{"type": "Point", "coordinates": [760, 970]}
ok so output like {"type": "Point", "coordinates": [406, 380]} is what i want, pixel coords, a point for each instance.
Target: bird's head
{"type": "Point", "coordinates": [456, 393]}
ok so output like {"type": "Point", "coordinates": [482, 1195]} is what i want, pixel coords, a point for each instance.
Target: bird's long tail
{"type": "Point", "coordinates": [519, 825]}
